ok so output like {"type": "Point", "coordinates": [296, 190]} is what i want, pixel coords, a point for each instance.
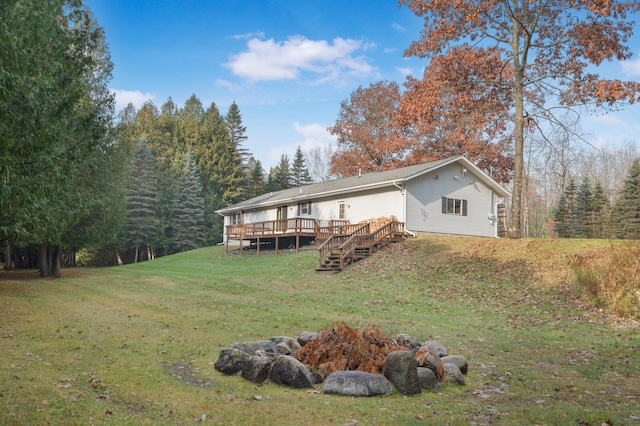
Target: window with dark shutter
{"type": "Point", "coordinates": [454, 206]}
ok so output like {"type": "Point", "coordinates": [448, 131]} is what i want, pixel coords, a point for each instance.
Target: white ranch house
{"type": "Point", "coordinates": [450, 196]}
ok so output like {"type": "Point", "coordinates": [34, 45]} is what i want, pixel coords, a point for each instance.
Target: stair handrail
{"type": "Point", "coordinates": [336, 241]}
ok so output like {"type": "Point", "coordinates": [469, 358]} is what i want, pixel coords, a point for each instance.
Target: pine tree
{"type": "Point", "coordinates": [188, 218]}
{"type": "Point", "coordinates": [565, 216]}
{"type": "Point", "coordinates": [599, 218]}
{"type": "Point", "coordinates": [282, 174]}
{"type": "Point", "coordinates": [583, 210]}
{"type": "Point", "coordinates": [256, 184]}
{"type": "Point", "coordinates": [626, 212]}
{"type": "Point", "coordinates": [140, 225]}
{"type": "Point", "coordinates": [236, 130]}
{"type": "Point", "coordinates": [299, 170]}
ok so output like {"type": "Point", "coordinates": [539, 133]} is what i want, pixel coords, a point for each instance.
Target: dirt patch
{"type": "Point", "coordinates": [185, 373]}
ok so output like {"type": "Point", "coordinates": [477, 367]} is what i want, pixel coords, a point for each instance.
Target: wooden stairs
{"type": "Point", "coordinates": [341, 251]}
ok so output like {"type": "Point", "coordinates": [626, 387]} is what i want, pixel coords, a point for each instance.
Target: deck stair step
{"type": "Point", "coordinates": [357, 246]}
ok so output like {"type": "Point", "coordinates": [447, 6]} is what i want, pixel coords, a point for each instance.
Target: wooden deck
{"type": "Point", "coordinates": [340, 242]}
{"type": "Point", "coordinates": [274, 232]}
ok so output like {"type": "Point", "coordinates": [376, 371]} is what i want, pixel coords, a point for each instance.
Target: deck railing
{"type": "Point", "coordinates": [271, 228]}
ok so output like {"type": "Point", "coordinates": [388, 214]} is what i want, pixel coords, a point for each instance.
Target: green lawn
{"type": "Point", "coordinates": [136, 344]}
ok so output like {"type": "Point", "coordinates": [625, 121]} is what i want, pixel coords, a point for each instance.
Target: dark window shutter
{"type": "Point", "coordinates": [309, 208]}
{"type": "Point", "coordinates": [299, 209]}
{"type": "Point", "coordinates": [444, 205]}
{"type": "Point", "coordinates": [464, 207]}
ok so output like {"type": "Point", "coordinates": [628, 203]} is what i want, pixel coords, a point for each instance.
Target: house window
{"type": "Point", "coordinates": [304, 208]}
{"type": "Point", "coordinates": [234, 219]}
{"type": "Point", "coordinates": [341, 212]}
{"type": "Point", "coordinates": [454, 206]}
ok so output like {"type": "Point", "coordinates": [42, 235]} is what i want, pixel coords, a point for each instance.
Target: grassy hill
{"type": "Point", "coordinates": [136, 344]}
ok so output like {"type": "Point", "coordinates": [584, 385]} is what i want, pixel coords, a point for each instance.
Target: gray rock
{"type": "Point", "coordinates": [458, 360]}
{"type": "Point", "coordinates": [408, 341]}
{"type": "Point", "coordinates": [288, 371]}
{"type": "Point", "coordinates": [256, 369]}
{"type": "Point", "coordinates": [255, 348]}
{"type": "Point", "coordinates": [428, 359]}
{"type": "Point", "coordinates": [231, 360]}
{"type": "Point", "coordinates": [428, 380]}
{"type": "Point", "coordinates": [401, 369]}
{"type": "Point", "coordinates": [306, 336]}
{"type": "Point", "coordinates": [435, 348]}
{"type": "Point", "coordinates": [285, 345]}
{"type": "Point", "coordinates": [356, 383]}
{"type": "Point", "coordinates": [453, 374]}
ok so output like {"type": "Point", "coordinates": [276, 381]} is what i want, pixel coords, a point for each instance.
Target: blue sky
{"type": "Point", "coordinates": [287, 63]}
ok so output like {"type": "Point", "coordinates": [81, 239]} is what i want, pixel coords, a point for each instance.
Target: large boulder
{"type": "Point", "coordinates": [256, 368]}
{"type": "Point", "coordinates": [288, 371]}
{"type": "Point", "coordinates": [428, 359]}
{"type": "Point", "coordinates": [408, 341]}
{"type": "Point", "coordinates": [306, 336]}
{"type": "Point", "coordinates": [401, 369]}
{"type": "Point", "coordinates": [285, 345]}
{"type": "Point", "coordinates": [435, 348]}
{"type": "Point", "coordinates": [356, 383]}
{"type": "Point", "coordinates": [428, 380]}
{"type": "Point", "coordinates": [453, 374]}
{"type": "Point", "coordinates": [231, 360]}
{"type": "Point", "coordinates": [458, 360]}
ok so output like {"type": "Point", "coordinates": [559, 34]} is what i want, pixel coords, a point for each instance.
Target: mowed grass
{"type": "Point", "coordinates": [136, 344]}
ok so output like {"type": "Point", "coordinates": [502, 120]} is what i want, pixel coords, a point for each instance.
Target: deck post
{"type": "Point", "coordinates": [297, 241]}
{"type": "Point", "coordinates": [277, 244]}
{"type": "Point", "coordinates": [226, 243]}
{"type": "Point", "coordinates": [258, 245]}
{"type": "Point", "coordinates": [241, 244]}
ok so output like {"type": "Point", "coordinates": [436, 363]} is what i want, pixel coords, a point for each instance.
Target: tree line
{"type": "Point", "coordinates": [585, 211]}
{"type": "Point", "coordinates": [145, 183]}
{"type": "Point", "coordinates": [76, 178]}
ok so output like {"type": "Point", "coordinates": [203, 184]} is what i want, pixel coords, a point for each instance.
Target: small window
{"type": "Point", "coordinates": [304, 208]}
{"type": "Point", "coordinates": [341, 210]}
{"type": "Point", "coordinates": [234, 219]}
{"type": "Point", "coordinates": [454, 206]}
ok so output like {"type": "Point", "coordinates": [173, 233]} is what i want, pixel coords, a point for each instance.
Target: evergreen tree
{"type": "Point", "coordinates": [599, 218]}
{"type": "Point", "coordinates": [565, 216]}
{"type": "Point", "coordinates": [220, 170]}
{"type": "Point", "coordinates": [299, 170]}
{"type": "Point", "coordinates": [282, 174]}
{"type": "Point", "coordinates": [140, 224]}
{"type": "Point", "coordinates": [626, 212]}
{"type": "Point", "coordinates": [270, 185]}
{"type": "Point", "coordinates": [236, 130]}
{"type": "Point", "coordinates": [256, 184]}
{"type": "Point", "coordinates": [188, 218]}
{"type": "Point", "coordinates": [583, 210]}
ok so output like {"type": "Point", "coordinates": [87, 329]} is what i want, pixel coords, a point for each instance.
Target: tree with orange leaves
{"type": "Point", "coordinates": [458, 109]}
{"type": "Point", "coordinates": [549, 44]}
{"type": "Point", "coordinates": [368, 138]}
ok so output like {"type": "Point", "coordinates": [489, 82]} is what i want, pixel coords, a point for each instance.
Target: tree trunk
{"type": "Point", "coordinates": [56, 263]}
{"type": "Point", "coordinates": [135, 259]}
{"type": "Point", "coordinates": [44, 261]}
{"type": "Point", "coordinates": [516, 201]}
{"type": "Point", "coordinates": [8, 265]}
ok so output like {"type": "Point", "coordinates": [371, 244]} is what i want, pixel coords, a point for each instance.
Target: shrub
{"type": "Point", "coordinates": [611, 279]}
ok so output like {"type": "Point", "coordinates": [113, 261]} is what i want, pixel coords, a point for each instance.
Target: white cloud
{"type": "Point", "coordinates": [631, 68]}
{"type": "Point", "coordinates": [310, 136]}
{"type": "Point", "coordinates": [404, 71]}
{"type": "Point", "coordinates": [269, 60]}
{"type": "Point", "coordinates": [135, 97]}
{"type": "Point", "coordinates": [399, 28]}
{"type": "Point", "coordinates": [229, 85]}
{"type": "Point", "coordinates": [246, 36]}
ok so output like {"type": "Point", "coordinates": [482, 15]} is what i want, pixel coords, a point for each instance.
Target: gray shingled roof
{"type": "Point", "coordinates": [348, 184]}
